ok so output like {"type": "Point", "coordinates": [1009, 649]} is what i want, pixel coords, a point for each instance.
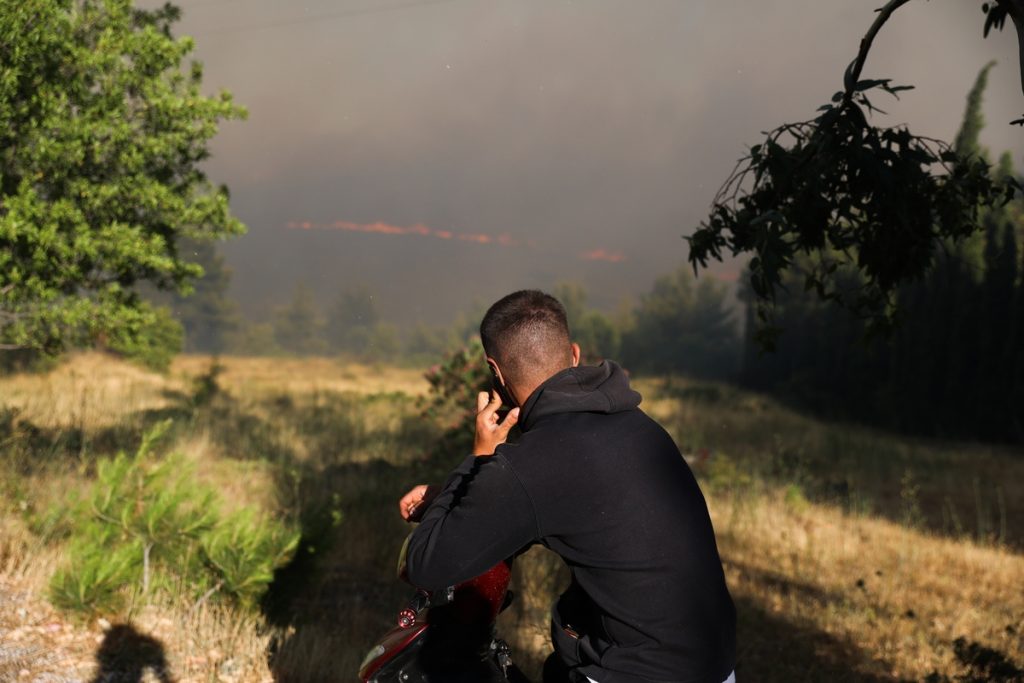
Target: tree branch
{"type": "Point", "coordinates": [205, 597]}
{"type": "Point", "coordinates": [1015, 8]}
{"type": "Point", "coordinates": [853, 71]}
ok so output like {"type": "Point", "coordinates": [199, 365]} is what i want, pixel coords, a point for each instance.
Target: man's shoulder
{"type": "Point", "coordinates": [560, 435]}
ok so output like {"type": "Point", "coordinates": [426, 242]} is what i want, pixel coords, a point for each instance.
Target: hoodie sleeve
{"type": "Point", "coordinates": [481, 517]}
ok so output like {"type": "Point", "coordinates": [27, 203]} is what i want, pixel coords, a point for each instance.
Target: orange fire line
{"type": "Point", "coordinates": [603, 255]}
{"type": "Point", "coordinates": [420, 230]}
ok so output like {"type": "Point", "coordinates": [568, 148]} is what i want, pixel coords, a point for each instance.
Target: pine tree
{"type": "Point", "coordinates": [353, 321]}
{"type": "Point", "coordinates": [208, 314]}
{"type": "Point", "coordinates": [967, 138]}
{"type": "Point", "coordinates": [683, 325]}
{"type": "Point", "coordinates": [1015, 357]}
{"type": "Point", "coordinates": [298, 326]}
{"type": "Point", "coordinates": [147, 526]}
{"type": "Point", "coordinates": [591, 329]}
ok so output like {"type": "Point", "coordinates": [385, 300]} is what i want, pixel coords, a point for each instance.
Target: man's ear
{"type": "Point", "coordinates": [575, 354]}
{"type": "Point", "coordinates": [496, 371]}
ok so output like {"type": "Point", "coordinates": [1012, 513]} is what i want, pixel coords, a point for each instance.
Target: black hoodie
{"type": "Point", "coordinates": [597, 481]}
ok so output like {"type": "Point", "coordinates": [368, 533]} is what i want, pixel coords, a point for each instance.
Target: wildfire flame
{"type": "Point", "coordinates": [420, 230]}
{"type": "Point", "coordinates": [603, 255]}
{"type": "Point", "coordinates": [381, 228]}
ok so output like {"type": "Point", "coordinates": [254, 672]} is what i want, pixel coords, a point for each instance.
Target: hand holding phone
{"type": "Point", "coordinates": [491, 429]}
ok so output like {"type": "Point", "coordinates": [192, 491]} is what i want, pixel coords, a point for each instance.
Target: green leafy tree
{"type": "Point", "coordinates": [880, 201]}
{"type": "Point", "coordinates": [159, 339]}
{"type": "Point", "coordinates": [103, 128]}
{"type": "Point", "coordinates": [952, 365]}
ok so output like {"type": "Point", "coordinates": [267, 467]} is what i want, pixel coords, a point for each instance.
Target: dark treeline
{"type": "Point", "coordinates": [954, 366]}
{"type": "Point", "coordinates": [681, 326]}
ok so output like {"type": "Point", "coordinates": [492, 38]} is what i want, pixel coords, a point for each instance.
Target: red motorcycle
{"type": "Point", "coordinates": [447, 636]}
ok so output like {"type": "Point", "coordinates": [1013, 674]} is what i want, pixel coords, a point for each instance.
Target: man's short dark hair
{"type": "Point", "coordinates": [527, 332]}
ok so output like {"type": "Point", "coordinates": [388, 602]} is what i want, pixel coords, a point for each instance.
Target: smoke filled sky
{"type": "Point", "coordinates": [443, 152]}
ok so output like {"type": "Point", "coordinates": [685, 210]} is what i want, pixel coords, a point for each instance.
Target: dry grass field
{"type": "Point", "coordinates": [852, 555]}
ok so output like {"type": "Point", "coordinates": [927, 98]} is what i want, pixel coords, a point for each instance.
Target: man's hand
{"type": "Point", "coordinates": [415, 503]}
{"type": "Point", "coordinates": [489, 432]}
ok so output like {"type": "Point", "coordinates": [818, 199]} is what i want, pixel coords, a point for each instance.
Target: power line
{"type": "Point", "coordinates": [317, 17]}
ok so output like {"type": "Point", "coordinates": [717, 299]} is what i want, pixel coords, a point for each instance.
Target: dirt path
{"type": "Point", "coordinates": [37, 645]}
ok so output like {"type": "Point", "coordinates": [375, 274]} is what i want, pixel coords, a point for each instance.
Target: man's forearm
{"type": "Point", "coordinates": [481, 517]}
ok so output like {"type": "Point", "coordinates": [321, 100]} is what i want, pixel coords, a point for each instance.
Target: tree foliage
{"type": "Point", "coordinates": [102, 131]}
{"type": "Point", "coordinates": [598, 336]}
{"type": "Point", "coordinates": [685, 326]}
{"type": "Point", "coordinates": [954, 366]}
{"type": "Point", "coordinates": [208, 314]}
{"type": "Point", "coordinates": [298, 325]}
{"type": "Point", "coordinates": [146, 525]}
{"type": "Point", "coordinates": [352, 321]}
{"type": "Point", "coordinates": [455, 383]}
{"type": "Point", "coordinates": [881, 202]}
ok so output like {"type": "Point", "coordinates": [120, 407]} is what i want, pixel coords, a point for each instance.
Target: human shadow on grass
{"type": "Point", "coordinates": [125, 655]}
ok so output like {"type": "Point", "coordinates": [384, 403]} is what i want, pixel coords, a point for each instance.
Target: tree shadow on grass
{"type": "Point", "coordinates": [125, 655]}
{"type": "Point", "coordinates": [914, 481]}
{"type": "Point", "coordinates": [338, 464]}
{"type": "Point", "coordinates": [31, 448]}
{"type": "Point", "coordinates": [340, 593]}
{"type": "Point", "coordinates": [772, 648]}
{"type": "Point", "coordinates": [769, 582]}
{"type": "Point", "coordinates": [775, 646]}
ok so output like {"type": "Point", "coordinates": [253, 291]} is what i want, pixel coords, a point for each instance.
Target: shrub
{"type": "Point", "coordinates": [147, 525]}
{"type": "Point", "coordinates": [154, 344]}
{"type": "Point", "coordinates": [243, 553]}
{"type": "Point", "coordinates": [454, 385]}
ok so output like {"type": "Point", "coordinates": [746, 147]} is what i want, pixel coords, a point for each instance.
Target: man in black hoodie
{"type": "Point", "coordinates": [600, 483]}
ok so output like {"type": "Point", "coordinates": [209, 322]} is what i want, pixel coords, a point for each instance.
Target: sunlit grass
{"type": "Point", "coordinates": [852, 554]}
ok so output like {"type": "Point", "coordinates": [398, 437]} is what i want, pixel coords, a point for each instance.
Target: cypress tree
{"type": "Point", "coordinates": [995, 306]}
{"type": "Point", "coordinates": [967, 138]}
{"type": "Point", "coordinates": [1015, 355]}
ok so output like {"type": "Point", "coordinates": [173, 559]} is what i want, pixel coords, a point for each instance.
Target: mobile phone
{"type": "Point", "coordinates": [506, 398]}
